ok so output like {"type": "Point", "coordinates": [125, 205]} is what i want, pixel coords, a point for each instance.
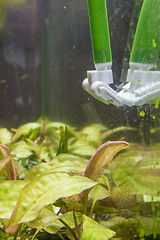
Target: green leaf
{"type": "Point", "coordinates": [47, 219]}
{"type": "Point", "coordinates": [92, 133]}
{"type": "Point", "coordinates": [24, 129]}
{"type": "Point", "coordinates": [68, 218]}
{"type": "Point", "coordinates": [103, 155]}
{"type": "Point", "coordinates": [99, 192]}
{"type": "Point", "coordinates": [9, 192]}
{"type": "Point", "coordinates": [5, 136]}
{"type": "Point", "coordinates": [137, 170]}
{"type": "Point", "coordinates": [22, 150]}
{"type": "Point", "coordinates": [63, 145]}
{"type": "Point", "coordinates": [62, 163]}
{"type": "Point", "coordinates": [55, 126]}
{"type": "Point", "coordinates": [82, 148]}
{"type": "Point", "coordinates": [92, 230]}
{"type": "Point", "coordinates": [43, 191]}
{"type": "Point", "coordinates": [124, 228]}
{"type": "Point", "coordinates": [53, 227]}
{"type": "Point", "coordinates": [44, 153]}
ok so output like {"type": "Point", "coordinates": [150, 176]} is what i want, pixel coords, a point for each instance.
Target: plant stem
{"type": "Point", "coordinates": [76, 225]}
{"type": "Point", "coordinates": [85, 201]}
{"type": "Point", "coordinates": [35, 234]}
{"type": "Point", "coordinates": [16, 234]}
{"type": "Point", "coordinates": [70, 229]}
{"type": "Point", "coordinates": [60, 236]}
{"type": "Point", "coordinates": [92, 207]}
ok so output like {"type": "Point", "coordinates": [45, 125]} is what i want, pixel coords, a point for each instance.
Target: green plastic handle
{"type": "Point", "coordinates": [99, 29]}
{"type": "Point", "coordinates": [146, 43]}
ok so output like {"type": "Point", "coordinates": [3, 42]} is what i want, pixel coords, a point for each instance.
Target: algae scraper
{"type": "Point", "coordinates": [97, 81]}
{"type": "Point", "coordinates": [143, 78]}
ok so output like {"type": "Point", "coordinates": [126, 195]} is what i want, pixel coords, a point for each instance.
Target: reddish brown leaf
{"type": "Point", "coordinates": [103, 155]}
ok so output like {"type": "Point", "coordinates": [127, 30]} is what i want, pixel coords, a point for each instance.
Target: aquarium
{"type": "Point", "coordinates": [79, 119]}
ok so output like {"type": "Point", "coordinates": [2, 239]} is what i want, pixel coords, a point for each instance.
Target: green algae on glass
{"type": "Point", "coordinates": [154, 43]}
{"type": "Point", "coordinates": [157, 103]}
{"type": "Point", "coordinates": [142, 113]}
{"type": "Point", "coordinates": [153, 130]}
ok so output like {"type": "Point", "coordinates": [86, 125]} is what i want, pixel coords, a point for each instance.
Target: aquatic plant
{"type": "Point", "coordinates": [114, 193]}
{"type": "Point", "coordinates": [40, 141]}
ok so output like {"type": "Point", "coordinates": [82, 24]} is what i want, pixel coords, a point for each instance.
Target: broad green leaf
{"type": "Point", "coordinates": [5, 136]}
{"type": "Point", "coordinates": [9, 192]}
{"type": "Point", "coordinates": [10, 189]}
{"type": "Point", "coordinates": [68, 218]}
{"type": "Point", "coordinates": [125, 228]}
{"type": "Point", "coordinates": [47, 219]}
{"type": "Point", "coordinates": [137, 171]}
{"type": "Point", "coordinates": [82, 148]}
{"type": "Point", "coordinates": [92, 230]}
{"type": "Point", "coordinates": [53, 227]}
{"type": "Point", "coordinates": [6, 208]}
{"type": "Point", "coordinates": [52, 149]}
{"type": "Point", "coordinates": [22, 150]}
{"type": "Point", "coordinates": [43, 191]}
{"type": "Point", "coordinates": [92, 133]}
{"type": "Point", "coordinates": [99, 192]}
{"type": "Point", "coordinates": [24, 129]}
{"type": "Point", "coordinates": [62, 163]}
{"type": "Point", "coordinates": [44, 153]}
{"type": "Point", "coordinates": [103, 155]}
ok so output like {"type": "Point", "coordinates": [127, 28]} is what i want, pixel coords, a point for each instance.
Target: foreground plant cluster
{"type": "Point", "coordinates": [49, 189]}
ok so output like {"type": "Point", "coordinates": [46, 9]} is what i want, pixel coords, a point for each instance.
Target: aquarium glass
{"type": "Point", "coordinates": [45, 53]}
